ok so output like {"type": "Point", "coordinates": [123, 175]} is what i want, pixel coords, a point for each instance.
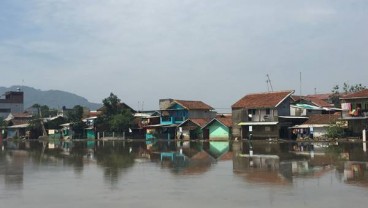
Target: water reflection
{"type": "Point", "coordinates": [265, 163]}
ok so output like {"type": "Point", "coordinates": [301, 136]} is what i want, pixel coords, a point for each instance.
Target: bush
{"type": "Point", "coordinates": [335, 131]}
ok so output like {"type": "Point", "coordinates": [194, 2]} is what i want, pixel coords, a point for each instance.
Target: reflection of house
{"type": "Point", "coordinates": [217, 149]}
{"type": "Point", "coordinates": [198, 164]}
{"type": "Point", "coordinates": [355, 111]}
{"type": "Point", "coordinates": [356, 171]}
{"type": "Point", "coordinates": [259, 169]}
{"type": "Point", "coordinates": [218, 128]}
{"type": "Point", "coordinates": [264, 114]}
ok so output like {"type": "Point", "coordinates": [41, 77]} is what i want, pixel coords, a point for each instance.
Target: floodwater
{"type": "Point", "coordinates": [183, 174]}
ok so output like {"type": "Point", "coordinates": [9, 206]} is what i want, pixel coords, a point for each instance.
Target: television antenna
{"type": "Point", "coordinates": [269, 84]}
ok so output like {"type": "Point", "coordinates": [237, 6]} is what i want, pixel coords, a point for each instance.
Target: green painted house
{"type": "Point", "coordinates": [218, 128]}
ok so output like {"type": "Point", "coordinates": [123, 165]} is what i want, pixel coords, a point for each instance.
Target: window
{"type": "Point", "coordinates": [268, 111]}
{"type": "Point", "coordinates": [4, 110]}
{"type": "Point", "coordinates": [252, 111]}
{"type": "Point", "coordinates": [267, 128]}
{"type": "Point", "coordinates": [166, 118]}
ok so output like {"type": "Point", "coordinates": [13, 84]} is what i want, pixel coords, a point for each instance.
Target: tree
{"type": "Point", "coordinates": [335, 131]}
{"type": "Point", "coordinates": [121, 122]}
{"type": "Point", "coordinates": [111, 105]}
{"type": "Point", "coordinates": [75, 116]}
{"type": "Point", "coordinates": [44, 111]}
{"type": "Point", "coordinates": [114, 117]}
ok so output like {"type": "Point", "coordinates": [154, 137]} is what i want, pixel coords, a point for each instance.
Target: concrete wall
{"type": "Point", "coordinates": [265, 131]}
{"type": "Point", "coordinates": [201, 114]}
{"type": "Point", "coordinates": [238, 115]}
{"type": "Point", "coordinates": [7, 108]}
{"type": "Point", "coordinates": [284, 108]}
{"type": "Point", "coordinates": [13, 103]}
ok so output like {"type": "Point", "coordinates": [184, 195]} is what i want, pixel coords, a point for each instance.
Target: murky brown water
{"type": "Point", "coordinates": [183, 174]}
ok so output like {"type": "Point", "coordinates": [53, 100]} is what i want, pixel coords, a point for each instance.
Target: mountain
{"type": "Point", "coordinates": [52, 98]}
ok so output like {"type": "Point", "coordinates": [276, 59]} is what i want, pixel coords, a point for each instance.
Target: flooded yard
{"type": "Point", "coordinates": [183, 174]}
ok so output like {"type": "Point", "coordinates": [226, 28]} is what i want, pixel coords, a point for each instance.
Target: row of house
{"type": "Point", "coordinates": [261, 115]}
{"type": "Point", "coordinates": [278, 114]}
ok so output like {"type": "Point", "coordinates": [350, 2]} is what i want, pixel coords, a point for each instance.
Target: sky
{"type": "Point", "coordinates": [216, 51]}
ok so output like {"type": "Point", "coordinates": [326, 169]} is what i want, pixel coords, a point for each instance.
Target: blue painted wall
{"type": "Point", "coordinates": [177, 114]}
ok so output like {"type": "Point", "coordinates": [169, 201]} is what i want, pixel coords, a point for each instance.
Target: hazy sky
{"type": "Point", "coordinates": [211, 50]}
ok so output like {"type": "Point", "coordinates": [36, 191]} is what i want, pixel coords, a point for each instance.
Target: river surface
{"type": "Point", "coordinates": [183, 174]}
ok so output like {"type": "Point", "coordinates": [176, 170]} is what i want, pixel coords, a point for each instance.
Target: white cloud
{"type": "Point", "coordinates": [147, 49]}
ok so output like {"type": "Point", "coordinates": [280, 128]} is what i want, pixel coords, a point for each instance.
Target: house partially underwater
{"type": "Point", "coordinates": [355, 111]}
{"type": "Point", "coordinates": [182, 119]}
{"type": "Point", "coordinates": [263, 115]}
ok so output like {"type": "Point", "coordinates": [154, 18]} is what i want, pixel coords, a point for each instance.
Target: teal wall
{"type": "Point", "coordinates": [218, 131]}
{"type": "Point", "coordinates": [90, 134]}
{"type": "Point", "coordinates": [178, 114]}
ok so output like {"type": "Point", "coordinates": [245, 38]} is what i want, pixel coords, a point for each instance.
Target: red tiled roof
{"type": "Point", "coordinates": [296, 97]}
{"type": "Point", "coordinates": [262, 100]}
{"type": "Point", "coordinates": [324, 96]}
{"type": "Point", "coordinates": [318, 102]}
{"type": "Point", "coordinates": [193, 105]}
{"type": "Point", "coordinates": [322, 119]}
{"type": "Point", "coordinates": [356, 95]}
{"type": "Point", "coordinates": [200, 121]}
{"type": "Point", "coordinates": [94, 113]}
{"type": "Point", "coordinates": [226, 121]}
{"type": "Point", "coordinates": [22, 115]}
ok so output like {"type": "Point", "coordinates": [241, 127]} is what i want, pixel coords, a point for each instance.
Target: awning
{"type": "Point", "coordinates": [294, 117]}
{"type": "Point", "coordinates": [307, 126]}
{"type": "Point", "coordinates": [20, 126]}
{"type": "Point", "coordinates": [257, 123]}
{"type": "Point", "coordinates": [161, 125]}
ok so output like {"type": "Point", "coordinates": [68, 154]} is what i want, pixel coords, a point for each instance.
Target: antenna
{"type": "Point", "coordinates": [269, 84]}
{"type": "Point", "coordinates": [300, 87]}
